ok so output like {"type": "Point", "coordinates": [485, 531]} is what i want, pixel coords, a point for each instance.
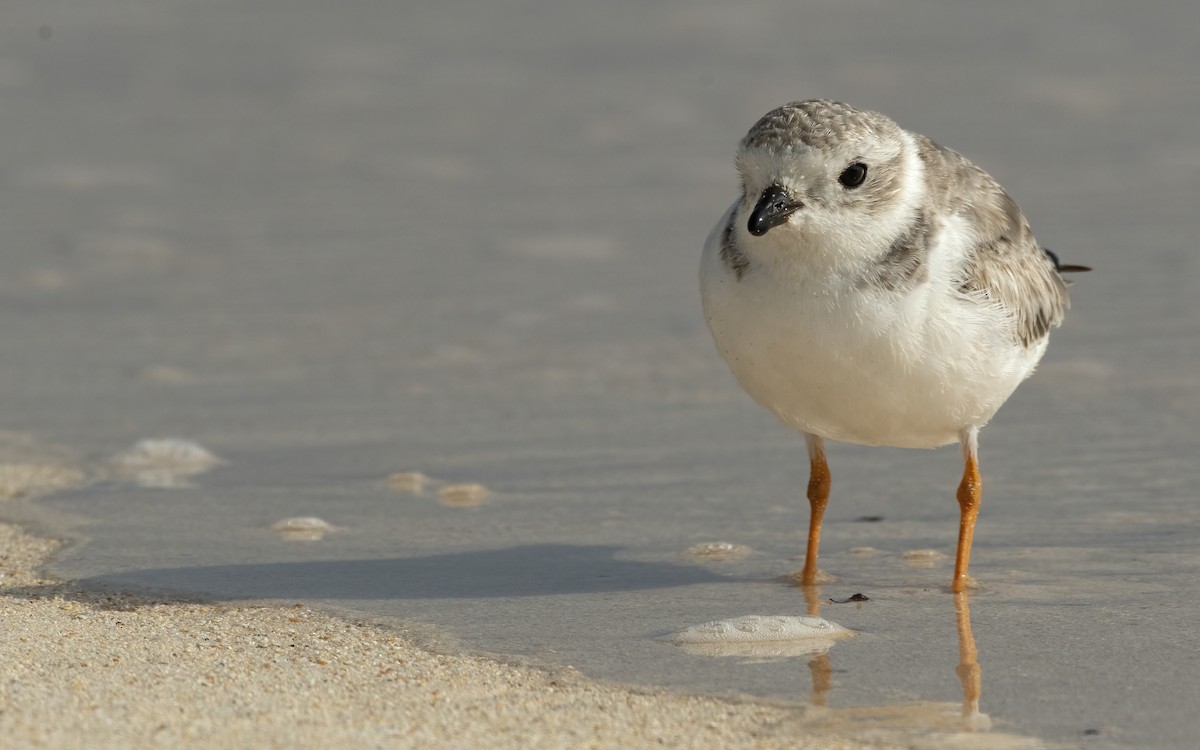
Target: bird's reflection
{"type": "Point", "coordinates": [822, 671]}
{"type": "Point", "coordinates": [968, 670]}
{"type": "Point", "coordinates": [921, 716]}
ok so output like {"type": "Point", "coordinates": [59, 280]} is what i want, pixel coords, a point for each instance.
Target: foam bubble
{"type": "Point", "coordinates": [761, 636]}
{"type": "Point", "coordinates": [761, 651]}
{"type": "Point", "coordinates": [302, 528]}
{"type": "Point", "coordinates": [717, 551]}
{"type": "Point", "coordinates": [164, 462]}
{"type": "Point", "coordinates": [922, 558]}
{"type": "Point", "coordinates": [408, 481]}
{"type": "Point", "coordinates": [463, 495]}
{"type": "Point", "coordinates": [761, 628]}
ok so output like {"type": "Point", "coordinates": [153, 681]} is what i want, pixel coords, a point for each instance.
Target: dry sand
{"type": "Point", "coordinates": [86, 669]}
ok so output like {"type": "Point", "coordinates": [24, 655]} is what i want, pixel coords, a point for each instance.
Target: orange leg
{"type": "Point", "coordinates": [818, 498]}
{"type": "Point", "coordinates": [969, 492]}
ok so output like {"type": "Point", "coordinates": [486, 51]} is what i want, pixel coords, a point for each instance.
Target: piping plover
{"type": "Point", "coordinates": [873, 287]}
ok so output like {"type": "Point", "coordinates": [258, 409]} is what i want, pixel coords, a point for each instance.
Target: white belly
{"type": "Point", "coordinates": [863, 366]}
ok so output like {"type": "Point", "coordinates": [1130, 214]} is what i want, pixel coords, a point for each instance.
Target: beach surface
{"type": "Point", "coordinates": [390, 311]}
{"type": "Point", "coordinates": [95, 670]}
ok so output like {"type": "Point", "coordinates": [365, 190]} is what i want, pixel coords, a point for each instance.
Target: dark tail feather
{"type": "Point", "coordinates": [1058, 266]}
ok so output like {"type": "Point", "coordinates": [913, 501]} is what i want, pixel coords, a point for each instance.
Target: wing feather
{"type": "Point", "coordinates": [1006, 264]}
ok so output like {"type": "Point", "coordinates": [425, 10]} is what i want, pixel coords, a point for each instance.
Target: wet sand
{"type": "Point", "coordinates": [92, 670]}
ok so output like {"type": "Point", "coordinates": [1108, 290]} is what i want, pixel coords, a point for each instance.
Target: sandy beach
{"type": "Point", "coordinates": [355, 389]}
{"type": "Point", "coordinates": [112, 670]}
{"type": "Point", "coordinates": [88, 670]}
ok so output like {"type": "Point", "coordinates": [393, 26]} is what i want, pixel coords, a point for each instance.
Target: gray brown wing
{"type": "Point", "coordinates": [1006, 265]}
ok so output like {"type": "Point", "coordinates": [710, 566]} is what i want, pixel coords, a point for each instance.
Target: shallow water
{"type": "Point", "coordinates": [331, 245]}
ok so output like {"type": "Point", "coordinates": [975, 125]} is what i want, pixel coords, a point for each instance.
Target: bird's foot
{"type": "Point", "coordinates": [801, 578]}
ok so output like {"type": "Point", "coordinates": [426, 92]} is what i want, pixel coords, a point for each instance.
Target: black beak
{"type": "Point", "coordinates": [773, 208]}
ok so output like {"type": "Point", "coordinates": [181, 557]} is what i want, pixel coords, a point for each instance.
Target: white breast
{"type": "Point", "coordinates": [870, 366]}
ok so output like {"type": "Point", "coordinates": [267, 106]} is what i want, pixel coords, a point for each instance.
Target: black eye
{"type": "Point", "coordinates": [854, 175]}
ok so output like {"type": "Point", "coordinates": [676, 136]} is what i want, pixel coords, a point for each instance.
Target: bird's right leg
{"type": "Point", "coordinates": [818, 498]}
{"type": "Point", "coordinates": [968, 503]}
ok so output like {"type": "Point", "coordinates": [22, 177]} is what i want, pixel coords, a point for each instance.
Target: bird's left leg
{"type": "Point", "coordinates": [818, 498]}
{"type": "Point", "coordinates": [969, 491]}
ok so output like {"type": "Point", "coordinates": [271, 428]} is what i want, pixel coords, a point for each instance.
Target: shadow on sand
{"type": "Point", "coordinates": [529, 570]}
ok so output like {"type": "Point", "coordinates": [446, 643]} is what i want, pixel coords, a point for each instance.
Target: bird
{"type": "Point", "coordinates": [871, 286]}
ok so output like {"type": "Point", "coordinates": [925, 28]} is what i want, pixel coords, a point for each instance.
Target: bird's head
{"type": "Point", "coordinates": [823, 175]}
